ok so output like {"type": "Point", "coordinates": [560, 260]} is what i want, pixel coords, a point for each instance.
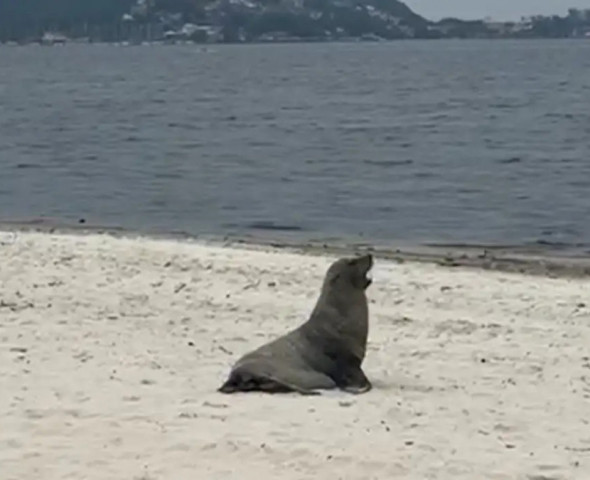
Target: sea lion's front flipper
{"type": "Point", "coordinates": [355, 381]}
{"type": "Point", "coordinates": [305, 381]}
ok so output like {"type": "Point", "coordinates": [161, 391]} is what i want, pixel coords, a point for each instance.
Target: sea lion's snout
{"type": "Point", "coordinates": [369, 275]}
{"type": "Point", "coordinates": [364, 265]}
{"type": "Point", "coordinates": [354, 271]}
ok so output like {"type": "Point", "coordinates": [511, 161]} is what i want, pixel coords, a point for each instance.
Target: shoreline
{"type": "Point", "coordinates": [529, 260]}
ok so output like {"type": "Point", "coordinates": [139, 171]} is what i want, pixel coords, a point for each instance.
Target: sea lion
{"type": "Point", "coordinates": [326, 351]}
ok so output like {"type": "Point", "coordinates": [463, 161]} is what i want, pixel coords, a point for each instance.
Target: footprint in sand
{"type": "Point", "coordinates": [456, 327]}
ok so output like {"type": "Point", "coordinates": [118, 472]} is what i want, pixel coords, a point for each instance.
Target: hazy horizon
{"type": "Point", "coordinates": [498, 10]}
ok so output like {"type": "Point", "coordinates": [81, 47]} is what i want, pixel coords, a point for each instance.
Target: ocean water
{"type": "Point", "coordinates": [413, 142]}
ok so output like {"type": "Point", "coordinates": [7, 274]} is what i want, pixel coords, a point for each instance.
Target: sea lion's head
{"type": "Point", "coordinates": [351, 272]}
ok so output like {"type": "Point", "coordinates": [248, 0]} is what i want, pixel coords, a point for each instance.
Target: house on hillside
{"type": "Point", "coordinates": [53, 38]}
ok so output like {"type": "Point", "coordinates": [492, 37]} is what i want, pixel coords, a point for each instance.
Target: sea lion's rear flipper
{"type": "Point", "coordinates": [278, 379]}
{"type": "Point", "coordinates": [354, 381]}
{"type": "Point", "coordinates": [246, 382]}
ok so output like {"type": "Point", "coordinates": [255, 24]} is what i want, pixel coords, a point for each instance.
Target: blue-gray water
{"type": "Point", "coordinates": [476, 142]}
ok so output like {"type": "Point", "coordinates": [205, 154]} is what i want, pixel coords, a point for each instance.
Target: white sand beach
{"type": "Point", "coordinates": [111, 351]}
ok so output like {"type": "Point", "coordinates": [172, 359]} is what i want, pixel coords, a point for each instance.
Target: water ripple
{"type": "Point", "coordinates": [460, 142]}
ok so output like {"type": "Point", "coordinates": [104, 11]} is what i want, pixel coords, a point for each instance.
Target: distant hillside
{"type": "Point", "coordinates": [256, 20]}
{"type": "Point", "coordinates": [236, 20]}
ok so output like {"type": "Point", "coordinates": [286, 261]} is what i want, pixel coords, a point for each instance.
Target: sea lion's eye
{"type": "Point", "coordinates": [334, 278]}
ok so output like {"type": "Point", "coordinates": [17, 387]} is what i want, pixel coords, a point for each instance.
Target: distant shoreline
{"type": "Point", "coordinates": [541, 260]}
{"type": "Point", "coordinates": [303, 41]}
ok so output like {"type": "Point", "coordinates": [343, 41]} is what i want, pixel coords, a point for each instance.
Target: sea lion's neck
{"type": "Point", "coordinates": [351, 307]}
{"type": "Point", "coordinates": [343, 299]}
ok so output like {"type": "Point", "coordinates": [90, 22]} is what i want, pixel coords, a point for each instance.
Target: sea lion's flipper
{"type": "Point", "coordinates": [305, 380]}
{"type": "Point", "coordinates": [246, 382]}
{"type": "Point", "coordinates": [355, 381]}
{"type": "Point", "coordinates": [279, 379]}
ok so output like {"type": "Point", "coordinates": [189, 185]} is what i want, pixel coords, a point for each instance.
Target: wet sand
{"type": "Point", "coordinates": [544, 260]}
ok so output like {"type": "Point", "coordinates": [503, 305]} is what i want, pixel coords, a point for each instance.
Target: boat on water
{"type": "Point", "coordinates": [52, 38]}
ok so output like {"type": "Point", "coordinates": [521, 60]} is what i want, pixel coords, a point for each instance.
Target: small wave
{"type": "Point", "coordinates": [28, 165]}
{"type": "Point", "coordinates": [386, 209]}
{"type": "Point", "coordinates": [560, 116]}
{"type": "Point", "coordinates": [260, 143]}
{"type": "Point", "coordinates": [181, 126]}
{"type": "Point", "coordinates": [168, 175]}
{"type": "Point", "coordinates": [388, 163]}
{"type": "Point", "coordinates": [424, 175]}
{"type": "Point", "coordinates": [556, 245]}
{"type": "Point", "coordinates": [508, 161]}
{"type": "Point", "coordinates": [468, 190]}
{"type": "Point", "coordinates": [579, 183]}
{"type": "Point", "coordinates": [273, 227]}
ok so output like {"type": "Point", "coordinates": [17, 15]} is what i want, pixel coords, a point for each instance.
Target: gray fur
{"type": "Point", "coordinates": [326, 352]}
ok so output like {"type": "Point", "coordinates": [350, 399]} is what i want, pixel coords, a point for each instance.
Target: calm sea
{"type": "Point", "coordinates": [469, 142]}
